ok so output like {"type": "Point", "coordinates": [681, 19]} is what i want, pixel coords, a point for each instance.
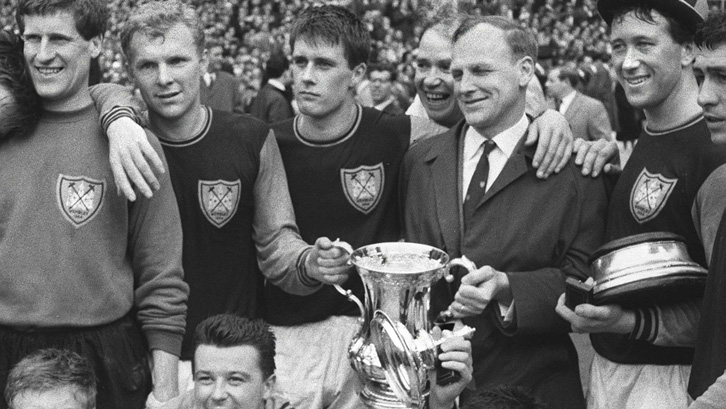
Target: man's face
{"type": "Point", "coordinates": [322, 79]}
{"type": "Point", "coordinates": [710, 70]}
{"type": "Point", "coordinates": [216, 58]}
{"type": "Point", "coordinates": [554, 85]}
{"type": "Point", "coordinates": [229, 378]}
{"type": "Point", "coordinates": [434, 84]}
{"type": "Point", "coordinates": [380, 86]}
{"type": "Point", "coordinates": [166, 69]}
{"type": "Point", "coordinates": [489, 82]}
{"type": "Point", "coordinates": [647, 61]}
{"type": "Point", "coordinates": [62, 398]}
{"type": "Point", "coordinates": [59, 60]}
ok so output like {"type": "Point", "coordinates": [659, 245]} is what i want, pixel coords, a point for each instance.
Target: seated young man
{"type": "Point", "coordinates": [234, 365]}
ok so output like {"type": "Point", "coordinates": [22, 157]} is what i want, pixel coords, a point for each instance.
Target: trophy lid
{"type": "Point", "coordinates": [403, 366]}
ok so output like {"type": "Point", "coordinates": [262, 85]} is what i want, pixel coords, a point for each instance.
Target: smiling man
{"type": "Point", "coordinates": [234, 365]}
{"type": "Point", "coordinates": [474, 192]}
{"type": "Point", "coordinates": [81, 267]}
{"type": "Point", "coordinates": [665, 186]}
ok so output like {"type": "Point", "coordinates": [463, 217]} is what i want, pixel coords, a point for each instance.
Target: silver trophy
{"type": "Point", "coordinates": [391, 363]}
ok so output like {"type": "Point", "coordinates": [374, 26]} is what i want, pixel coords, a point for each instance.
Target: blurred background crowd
{"type": "Point", "coordinates": [251, 30]}
{"type": "Point", "coordinates": [570, 34]}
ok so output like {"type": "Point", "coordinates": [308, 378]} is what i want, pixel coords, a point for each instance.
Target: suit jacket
{"type": "Point", "coordinates": [537, 231]}
{"type": "Point", "coordinates": [270, 105]}
{"type": "Point", "coordinates": [588, 118]}
{"type": "Point", "coordinates": [222, 94]}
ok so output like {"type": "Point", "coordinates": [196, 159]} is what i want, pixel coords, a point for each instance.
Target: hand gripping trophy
{"type": "Point", "coordinates": [393, 351]}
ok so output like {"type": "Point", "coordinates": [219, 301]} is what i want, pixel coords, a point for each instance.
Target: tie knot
{"type": "Point", "coordinates": [489, 145]}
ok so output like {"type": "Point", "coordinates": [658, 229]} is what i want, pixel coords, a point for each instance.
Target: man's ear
{"type": "Point", "coordinates": [359, 73]}
{"type": "Point", "coordinates": [526, 70]}
{"type": "Point", "coordinates": [268, 385]}
{"type": "Point", "coordinates": [204, 62]}
{"type": "Point", "coordinates": [688, 54]}
{"type": "Point", "coordinates": [96, 45]}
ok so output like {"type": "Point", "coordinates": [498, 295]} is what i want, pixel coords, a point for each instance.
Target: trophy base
{"type": "Point", "coordinates": [384, 398]}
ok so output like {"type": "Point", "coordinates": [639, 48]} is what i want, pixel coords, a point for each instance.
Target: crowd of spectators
{"type": "Point", "coordinates": [251, 30]}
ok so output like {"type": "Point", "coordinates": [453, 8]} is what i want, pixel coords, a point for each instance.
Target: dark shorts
{"type": "Point", "coordinates": [117, 352]}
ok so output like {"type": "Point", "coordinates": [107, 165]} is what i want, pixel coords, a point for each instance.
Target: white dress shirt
{"type": "Point", "coordinates": [473, 149]}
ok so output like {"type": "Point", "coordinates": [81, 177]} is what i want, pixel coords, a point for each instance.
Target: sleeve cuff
{"type": "Point", "coordinates": [164, 341]}
{"type": "Point", "coordinates": [302, 271]}
{"type": "Point", "coordinates": [646, 325]}
{"type": "Point", "coordinates": [116, 113]}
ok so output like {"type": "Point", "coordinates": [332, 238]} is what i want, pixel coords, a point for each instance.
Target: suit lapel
{"type": "Point", "coordinates": [515, 167]}
{"type": "Point", "coordinates": [573, 108]}
{"type": "Point", "coordinates": [445, 175]}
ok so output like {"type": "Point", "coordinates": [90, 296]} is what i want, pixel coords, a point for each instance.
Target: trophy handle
{"type": "Point", "coordinates": [461, 262]}
{"type": "Point", "coordinates": [351, 297]}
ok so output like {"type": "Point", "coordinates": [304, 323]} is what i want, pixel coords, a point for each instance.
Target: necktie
{"type": "Point", "coordinates": [478, 184]}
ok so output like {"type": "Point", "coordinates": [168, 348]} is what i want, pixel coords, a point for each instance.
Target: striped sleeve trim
{"type": "Point", "coordinates": [302, 271]}
{"type": "Point", "coordinates": [646, 325]}
{"type": "Point", "coordinates": [116, 113]}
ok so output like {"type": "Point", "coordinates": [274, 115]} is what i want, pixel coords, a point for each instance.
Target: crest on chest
{"type": "Point", "coordinates": [80, 198]}
{"type": "Point", "coordinates": [649, 195]}
{"type": "Point", "coordinates": [219, 200]}
{"type": "Point", "coordinates": [363, 186]}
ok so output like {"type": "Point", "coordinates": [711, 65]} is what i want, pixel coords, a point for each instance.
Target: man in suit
{"type": "Point", "coordinates": [526, 235]}
{"type": "Point", "coordinates": [219, 89]}
{"type": "Point", "coordinates": [586, 115]}
{"type": "Point", "coordinates": [381, 77]}
{"type": "Point", "coordinates": [271, 104]}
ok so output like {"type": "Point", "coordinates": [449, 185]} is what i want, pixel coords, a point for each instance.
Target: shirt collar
{"type": "Point", "coordinates": [506, 141]}
{"type": "Point", "coordinates": [568, 98]}
{"type": "Point", "coordinates": [383, 104]}
{"type": "Point", "coordinates": [277, 84]}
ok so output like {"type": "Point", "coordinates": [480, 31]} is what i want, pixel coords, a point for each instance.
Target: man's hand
{"type": "Point", "coordinates": [588, 318]}
{"type": "Point", "coordinates": [456, 355]}
{"type": "Point", "coordinates": [594, 156]}
{"type": "Point", "coordinates": [129, 154]}
{"type": "Point", "coordinates": [553, 152]}
{"type": "Point", "coordinates": [478, 289]}
{"type": "Point", "coordinates": [165, 376]}
{"type": "Point", "coordinates": [327, 262]}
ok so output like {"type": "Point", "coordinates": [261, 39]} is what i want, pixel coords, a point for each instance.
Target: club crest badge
{"type": "Point", "coordinates": [649, 195]}
{"type": "Point", "coordinates": [80, 198]}
{"type": "Point", "coordinates": [219, 200]}
{"type": "Point", "coordinates": [363, 186]}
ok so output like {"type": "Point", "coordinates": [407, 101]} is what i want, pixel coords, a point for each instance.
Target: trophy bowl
{"type": "Point", "coordinates": [397, 278]}
{"type": "Point", "coordinates": [645, 268]}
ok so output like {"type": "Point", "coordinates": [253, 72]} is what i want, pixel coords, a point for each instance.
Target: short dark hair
{"type": "Point", "coordinates": [49, 369]}
{"type": "Point", "coordinates": [333, 25]}
{"type": "Point", "coordinates": [643, 11]}
{"type": "Point", "coordinates": [504, 397]}
{"type": "Point", "coordinates": [155, 18]}
{"type": "Point", "coordinates": [15, 78]}
{"type": "Point", "coordinates": [227, 330]}
{"type": "Point", "coordinates": [91, 16]}
{"type": "Point", "coordinates": [276, 65]}
{"type": "Point", "coordinates": [384, 66]}
{"type": "Point", "coordinates": [522, 42]}
{"type": "Point", "coordinates": [712, 33]}
{"type": "Point", "coordinates": [570, 75]}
